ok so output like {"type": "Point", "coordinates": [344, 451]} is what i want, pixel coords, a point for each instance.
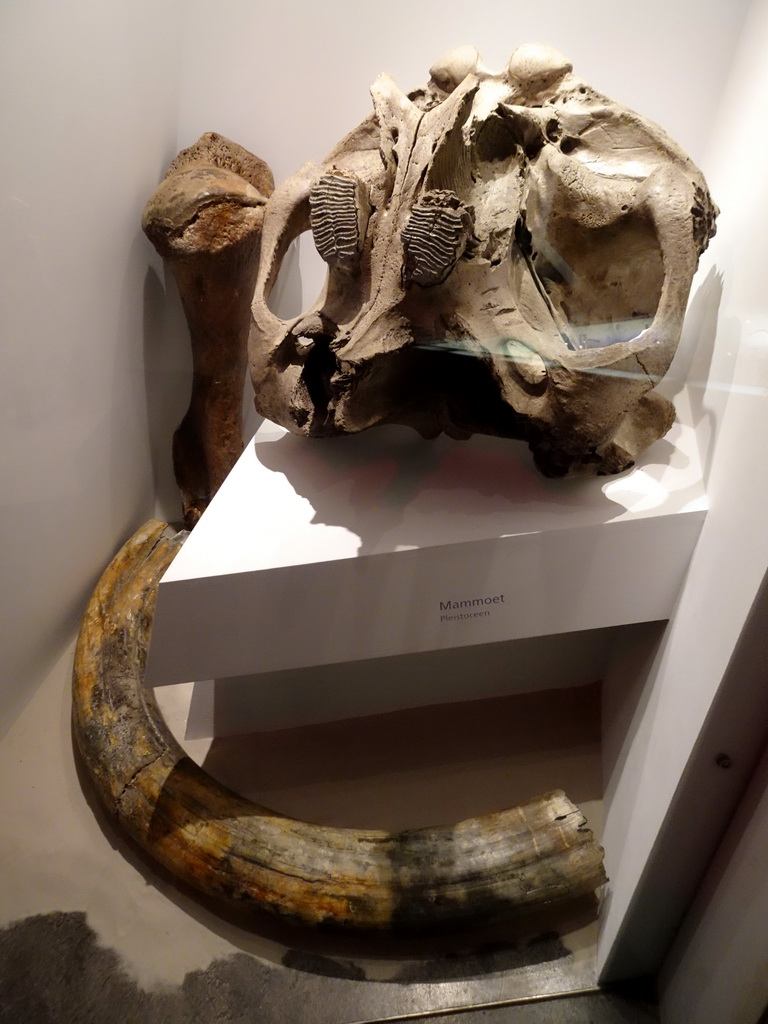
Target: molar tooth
{"type": "Point", "coordinates": [339, 209]}
{"type": "Point", "coordinates": [435, 237]}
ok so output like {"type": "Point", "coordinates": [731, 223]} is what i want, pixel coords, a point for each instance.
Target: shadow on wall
{"type": "Point", "coordinates": [168, 381]}
{"type": "Point", "coordinates": [697, 339]}
{"type": "Point", "coordinates": [389, 770]}
{"type": "Point", "coordinates": [168, 362]}
{"type": "Point", "coordinates": [709, 380]}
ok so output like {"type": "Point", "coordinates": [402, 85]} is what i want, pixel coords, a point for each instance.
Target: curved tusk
{"type": "Point", "coordinates": [537, 853]}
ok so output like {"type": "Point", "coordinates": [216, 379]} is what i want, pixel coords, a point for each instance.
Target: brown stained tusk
{"type": "Point", "coordinates": [534, 854]}
{"type": "Point", "coordinates": [205, 220]}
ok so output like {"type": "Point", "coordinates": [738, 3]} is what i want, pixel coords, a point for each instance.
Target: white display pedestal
{"type": "Point", "coordinates": [298, 697]}
{"type": "Point", "coordinates": [320, 552]}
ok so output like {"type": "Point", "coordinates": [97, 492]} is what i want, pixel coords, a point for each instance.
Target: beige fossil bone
{"type": "Point", "coordinates": [507, 254]}
{"type": "Point", "coordinates": [205, 220]}
{"type": "Point", "coordinates": [535, 854]}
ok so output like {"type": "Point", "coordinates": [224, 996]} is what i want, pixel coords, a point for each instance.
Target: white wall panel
{"type": "Point", "coordinates": [717, 970]}
{"type": "Point", "coordinates": [731, 558]}
{"type": "Point", "coordinates": [88, 107]}
{"type": "Point", "coordinates": [291, 77]}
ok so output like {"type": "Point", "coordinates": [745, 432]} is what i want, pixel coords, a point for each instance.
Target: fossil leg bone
{"type": "Point", "coordinates": [530, 855]}
{"type": "Point", "coordinates": [205, 220]}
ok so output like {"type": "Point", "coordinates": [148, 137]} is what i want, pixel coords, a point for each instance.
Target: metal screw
{"type": "Point", "coordinates": [723, 761]}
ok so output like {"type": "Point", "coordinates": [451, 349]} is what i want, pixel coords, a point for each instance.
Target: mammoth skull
{"type": "Point", "coordinates": [508, 254]}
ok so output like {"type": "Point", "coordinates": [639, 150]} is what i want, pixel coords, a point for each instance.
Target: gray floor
{"type": "Point", "coordinates": [593, 1008]}
{"type": "Point", "coordinates": [53, 970]}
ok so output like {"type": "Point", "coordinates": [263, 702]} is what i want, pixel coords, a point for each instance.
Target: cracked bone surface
{"type": "Point", "coordinates": [536, 854]}
{"type": "Point", "coordinates": [205, 221]}
{"type": "Point", "coordinates": [508, 254]}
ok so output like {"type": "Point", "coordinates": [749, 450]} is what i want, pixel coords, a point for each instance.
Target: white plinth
{"type": "Point", "coordinates": [316, 552]}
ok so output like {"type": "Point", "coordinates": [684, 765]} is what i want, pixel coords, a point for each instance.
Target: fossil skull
{"type": "Point", "coordinates": [508, 254]}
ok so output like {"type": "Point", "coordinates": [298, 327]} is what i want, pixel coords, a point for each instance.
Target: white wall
{"type": "Point", "coordinates": [689, 666]}
{"type": "Point", "coordinates": [717, 970]}
{"type": "Point", "coordinates": [88, 107]}
{"type": "Point", "coordinates": [288, 79]}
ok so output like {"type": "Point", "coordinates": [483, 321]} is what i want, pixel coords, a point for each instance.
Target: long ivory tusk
{"type": "Point", "coordinates": [537, 853]}
{"type": "Point", "coordinates": [205, 220]}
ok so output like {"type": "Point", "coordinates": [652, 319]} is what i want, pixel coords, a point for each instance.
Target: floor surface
{"type": "Point", "coordinates": [92, 931]}
{"type": "Point", "coordinates": [591, 1008]}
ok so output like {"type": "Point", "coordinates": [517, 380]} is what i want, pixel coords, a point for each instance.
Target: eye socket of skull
{"type": "Point", "coordinates": [603, 274]}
